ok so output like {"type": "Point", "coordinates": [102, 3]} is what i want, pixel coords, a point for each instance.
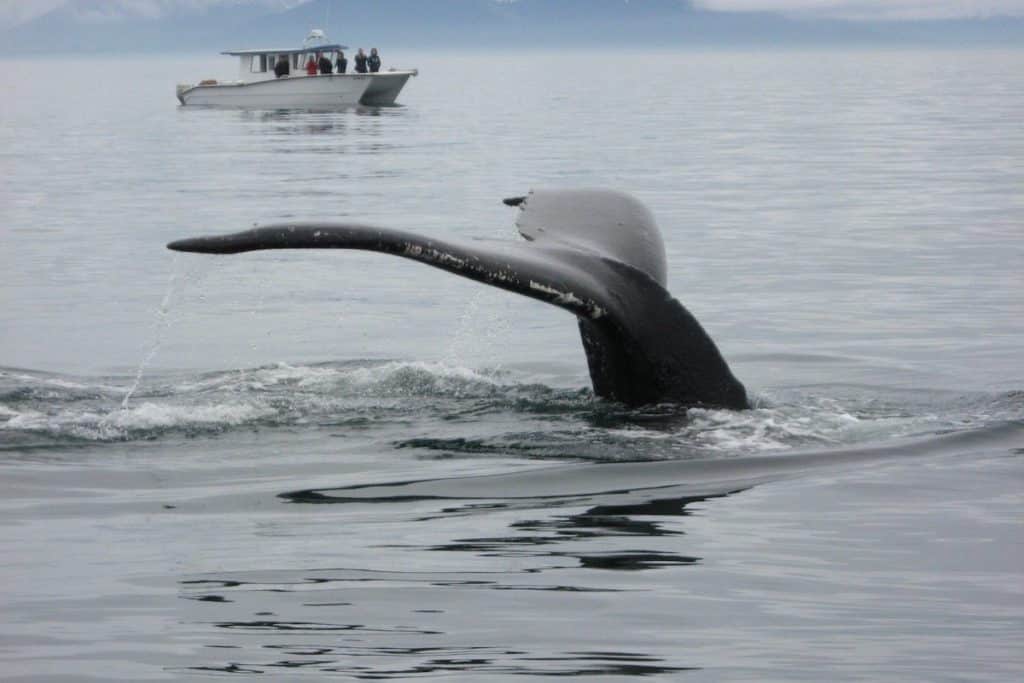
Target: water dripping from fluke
{"type": "Point", "coordinates": [182, 275]}
{"type": "Point", "coordinates": [160, 326]}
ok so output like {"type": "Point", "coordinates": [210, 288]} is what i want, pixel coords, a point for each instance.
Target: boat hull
{"type": "Point", "coordinates": [385, 86]}
{"type": "Point", "coordinates": [326, 92]}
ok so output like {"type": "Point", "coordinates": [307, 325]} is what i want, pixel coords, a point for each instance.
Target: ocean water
{"type": "Point", "coordinates": [338, 465]}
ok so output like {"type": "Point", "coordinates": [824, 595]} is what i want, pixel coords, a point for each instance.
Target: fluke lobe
{"type": "Point", "coordinates": [595, 253]}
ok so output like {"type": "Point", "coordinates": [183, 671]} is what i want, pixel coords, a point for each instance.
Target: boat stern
{"type": "Point", "coordinates": [180, 91]}
{"type": "Point", "coordinates": [385, 86]}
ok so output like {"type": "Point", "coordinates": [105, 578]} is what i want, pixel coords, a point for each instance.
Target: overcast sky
{"type": "Point", "coordinates": [873, 9]}
{"type": "Point", "coordinates": [14, 12]}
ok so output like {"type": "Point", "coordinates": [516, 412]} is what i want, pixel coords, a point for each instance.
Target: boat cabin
{"type": "Point", "coordinates": [258, 65]}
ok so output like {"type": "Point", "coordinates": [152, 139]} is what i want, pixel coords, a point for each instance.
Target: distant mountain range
{"type": "Point", "coordinates": [211, 25]}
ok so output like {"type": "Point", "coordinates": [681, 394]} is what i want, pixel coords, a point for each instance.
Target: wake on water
{"type": "Point", "coordinates": [513, 414]}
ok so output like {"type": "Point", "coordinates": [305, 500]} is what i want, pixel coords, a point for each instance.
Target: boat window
{"type": "Point", "coordinates": [258, 64]}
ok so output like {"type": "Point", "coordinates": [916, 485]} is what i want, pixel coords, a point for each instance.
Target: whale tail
{"type": "Point", "coordinates": [595, 253]}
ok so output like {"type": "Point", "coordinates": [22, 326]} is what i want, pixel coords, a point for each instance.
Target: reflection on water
{"type": "Point", "coordinates": [550, 587]}
{"type": "Point", "coordinates": [503, 575]}
{"type": "Point", "coordinates": [543, 537]}
{"type": "Point", "coordinates": [401, 623]}
{"type": "Point", "coordinates": [302, 132]}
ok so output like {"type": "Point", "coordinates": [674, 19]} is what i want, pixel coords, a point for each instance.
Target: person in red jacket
{"type": "Point", "coordinates": [311, 66]}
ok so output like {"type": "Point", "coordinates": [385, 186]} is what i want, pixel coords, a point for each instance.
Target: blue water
{"type": "Point", "coordinates": [327, 465]}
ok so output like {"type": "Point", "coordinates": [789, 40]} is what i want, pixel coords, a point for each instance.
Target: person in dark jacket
{"type": "Point", "coordinates": [374, 61]}
{"type": "Point", "coordinates": [360, 62]}
{"type": "Point", "coordinates": [342, 63]}
{"type": "Point", "coordinates": [281, 68]}
{"type": "Point", "coordinates": [325, 65]}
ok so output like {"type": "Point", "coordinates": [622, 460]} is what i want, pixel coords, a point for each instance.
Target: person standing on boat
{"type": "Point", "coordinates": [374, 61]}
{"type": "Point", "coordinates": [325, 65]}
{"type": "Point", "coordinates": [342, 63]}
{"type": "Point", "coordinates": [360, 62]}
{"type": "Point", "coordinates": [311, 66]}
{"type": "Point", "coordinates": [281, 67]}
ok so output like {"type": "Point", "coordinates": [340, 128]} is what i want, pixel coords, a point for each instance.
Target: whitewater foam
{"type": "Point", "coordinates": [557, 421]}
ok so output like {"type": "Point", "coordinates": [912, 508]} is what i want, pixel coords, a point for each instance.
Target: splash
{"type": "Point", "coordinates": [437, 410]}
{"type": "Point", "coordinates": [272, 396]}
{"type": "Point", "coordinates": [482, 328]}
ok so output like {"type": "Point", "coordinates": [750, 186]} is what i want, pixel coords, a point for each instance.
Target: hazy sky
{"type": "Point", "coordinates": [873, 9]}
{"type": "Point", "coordinates": [14, 12]}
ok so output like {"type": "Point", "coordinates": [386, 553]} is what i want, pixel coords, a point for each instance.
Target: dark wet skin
{"type": "Point", "coordinates": [595, 253]}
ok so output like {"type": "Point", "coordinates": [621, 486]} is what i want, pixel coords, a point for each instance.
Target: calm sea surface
{"type": "Point", "coordinates": [339, 465]}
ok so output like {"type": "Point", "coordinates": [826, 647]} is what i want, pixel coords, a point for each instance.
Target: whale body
{"type": "Point", "coordinates": [595, 253]}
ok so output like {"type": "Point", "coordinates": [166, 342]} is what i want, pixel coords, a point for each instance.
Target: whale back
{"type": "Point", "coordinates": [605, 222]}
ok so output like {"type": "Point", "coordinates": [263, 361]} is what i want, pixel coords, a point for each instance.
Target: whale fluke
{"type": "Point", "coordinates": [595, 253]}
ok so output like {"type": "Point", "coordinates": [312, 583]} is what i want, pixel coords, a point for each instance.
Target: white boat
{"type": "Point", "coordinates": [259, 87]}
